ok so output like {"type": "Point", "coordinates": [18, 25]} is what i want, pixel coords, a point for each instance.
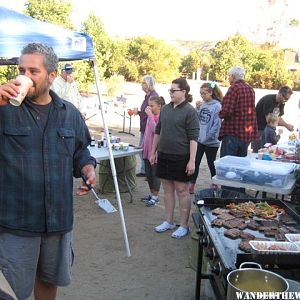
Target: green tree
{"type": "Point", "coordinates": [53, 11]}
{"type": "Point", "coordinates": [117, 59]}
{"type": "Point", "coordinates": [194, 60]}
{"type": "Point", "coordinates": [7, 73]}
{"type": "Point", "coordinates": [148, 55]}
{"type": "Point", "coordinates": [234, 51]}
{"type": "Point", "coordinates": [102, 43]}
{"type": "Point", "coordinates": [269, 70]}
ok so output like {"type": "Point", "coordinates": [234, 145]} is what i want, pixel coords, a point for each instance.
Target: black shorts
{"type": "Point", "coordinates": [172, 167]}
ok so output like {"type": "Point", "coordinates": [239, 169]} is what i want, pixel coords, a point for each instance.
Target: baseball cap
{"type": "Point", "coordinates": [68, 68]}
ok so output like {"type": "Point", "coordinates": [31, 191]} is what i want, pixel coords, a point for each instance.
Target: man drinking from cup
{"type": "Point", "coordinates": [43, 145]}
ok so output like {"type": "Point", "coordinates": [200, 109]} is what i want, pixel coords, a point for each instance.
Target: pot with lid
{"type": "Point", "coordinates": [255, 280]}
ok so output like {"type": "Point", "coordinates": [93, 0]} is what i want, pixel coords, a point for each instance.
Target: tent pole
{"type": "Point", "coordinates": [111, 158]}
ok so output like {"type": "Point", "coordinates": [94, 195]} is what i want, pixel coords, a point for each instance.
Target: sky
{"type": "Point", "coordinates": [187, 19]}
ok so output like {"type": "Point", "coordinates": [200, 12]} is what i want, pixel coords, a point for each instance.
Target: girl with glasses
{"type": "Point", "coordinates": [175, 141]}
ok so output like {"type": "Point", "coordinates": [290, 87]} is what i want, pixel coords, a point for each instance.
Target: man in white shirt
{"type": "Point", "coordinates": [65, 86]}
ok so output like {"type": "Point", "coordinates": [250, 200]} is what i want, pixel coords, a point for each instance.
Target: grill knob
{"type": "Point", "coordinates": [204, 242]}
{"type": "Point", "coordinates": [216, 269]}
{"type": "Point", "coordinates": [210, 253]}
{"type": "Point", "coordinates": [200, 231]}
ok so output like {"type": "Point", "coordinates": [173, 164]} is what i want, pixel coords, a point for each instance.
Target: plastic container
{"type": "Point", "coordinates": [253, 171]}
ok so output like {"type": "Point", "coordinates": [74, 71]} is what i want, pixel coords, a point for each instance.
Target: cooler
{"type": "Point", "coordinates": [259, 172]}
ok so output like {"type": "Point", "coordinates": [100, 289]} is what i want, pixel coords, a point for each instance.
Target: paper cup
{"type": "Point", "coordinates": [26, 84]}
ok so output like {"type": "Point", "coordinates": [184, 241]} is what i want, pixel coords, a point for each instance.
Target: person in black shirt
{"type": "Point", "coordinates": [273, 103]}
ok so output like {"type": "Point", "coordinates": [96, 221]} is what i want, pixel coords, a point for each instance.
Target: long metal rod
{"type": "Point", "coordinates": [112, 162]}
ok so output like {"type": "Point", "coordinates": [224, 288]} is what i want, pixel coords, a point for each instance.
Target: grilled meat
{"type": "Point", "coordinates": [246, 235]}
{"type": "Point", "coordinates": [225, 216]}
{"type": "Point", "coordinates": [252, 224]}
{"type": "Point", "coordinates": [217, 222]}
{"type": "Point", "coordinates": [235, 223]}
{"type": "Point", "coordinates": [232, 233]}
{"type": "Point", "coordinates": [219, 210]}
{"type": "Point", "coordinates": [245, 246]}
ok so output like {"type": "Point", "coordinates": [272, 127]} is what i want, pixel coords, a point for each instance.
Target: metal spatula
{"type": "Point", "coordinates": [103, 203]}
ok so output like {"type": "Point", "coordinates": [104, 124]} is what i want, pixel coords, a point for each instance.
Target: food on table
{"type": "Point", "coordinates": [235, 223]}
{"type": "Point", "coordinates": [246, 235]}
{"type": "Point", "coordinates": [245, 246]}
{"type": "Point", "coordinates": [270, 220]}
{"type": "Point", "coordinates": [260, 209]}
{"type": "Point", "coordinates": [252, 224]}
{"type": "Point", "coordinates": [217, 222]}
{"type": "Point", "coordinates": [219, 210]}
{"type": "Point", "coordinates": [232, 233]}
{"type": "Point", "coordinates": [293, 136]}
{"type": "Point", "coordinates": [226, 217]}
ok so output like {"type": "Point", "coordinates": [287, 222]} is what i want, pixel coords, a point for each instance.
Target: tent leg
{"type": "Point", "coordinates": [112, 162]}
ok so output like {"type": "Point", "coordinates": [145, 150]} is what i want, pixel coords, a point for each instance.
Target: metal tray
{"type": "Point", "coordinates": [293, 237]}
{"type": "Point", "coordinates": [272, 247]}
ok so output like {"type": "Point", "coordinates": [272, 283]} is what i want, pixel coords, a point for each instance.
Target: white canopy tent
{"type": "Point", "coordinates": [18, 30]}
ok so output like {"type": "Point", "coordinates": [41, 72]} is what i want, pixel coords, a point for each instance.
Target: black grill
{"type": "Point", "coordinates": [222, 254]}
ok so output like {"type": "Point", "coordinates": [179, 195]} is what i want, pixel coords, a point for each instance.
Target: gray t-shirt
{"type": "Point", "coordinates": [177, 127]}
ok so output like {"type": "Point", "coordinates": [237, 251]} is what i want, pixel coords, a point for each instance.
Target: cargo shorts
{"type": "Point", "coordinates": [23, 259]}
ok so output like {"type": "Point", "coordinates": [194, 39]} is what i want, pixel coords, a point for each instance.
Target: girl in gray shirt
{"type": "Point", "coordinates": [210, 124]}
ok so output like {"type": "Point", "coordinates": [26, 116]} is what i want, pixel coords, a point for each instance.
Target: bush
{"type": "Point", "coordinates": [114, 85]}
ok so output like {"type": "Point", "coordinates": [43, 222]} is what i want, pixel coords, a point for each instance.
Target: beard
{"type": "Point", "coordinates": [38, 92]}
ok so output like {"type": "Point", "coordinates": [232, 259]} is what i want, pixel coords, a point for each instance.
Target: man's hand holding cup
{"type": "Point", "coordinates": [9, 90]}
{"type": "Point", "coordinates": [15, 91]}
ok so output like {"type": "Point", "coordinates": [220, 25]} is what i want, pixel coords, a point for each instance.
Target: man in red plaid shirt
{"type": "Point", "coordinates": [239, 126]}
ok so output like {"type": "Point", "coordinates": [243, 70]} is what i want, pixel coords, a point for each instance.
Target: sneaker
{"type": "Point", "coordinates": [180, 232]}
{"type": "Point", "coordinates": [140, 175]}
{"type": "Point", "coordinates": [146, 198]}
{"type": "Point", "coordinates": [150, 203]}
{"type": "Point", "coordinates": [164, 227]}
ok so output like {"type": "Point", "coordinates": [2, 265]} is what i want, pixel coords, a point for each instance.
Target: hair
{"type": "Point", "coordinates": [183, 85]}
{"type": "Point", "coordinates": [285, 91]}
{"type": "Point", "coordinates": [237, 72]}
{"type": "Point", "coordinates": [50, 58]}
{"type": "Point", "coordinates": [158, 99]}
{"type": "Point", "coordinates": [150, 81]}
{"type": "Point", "coordinates": [272, 118]}
{"type": "Point", "coordinates": [214, 89]}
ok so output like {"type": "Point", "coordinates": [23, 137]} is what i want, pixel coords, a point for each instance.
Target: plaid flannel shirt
{"type": "Point", "coordinates": [37, 168]}
{"type": "Point", "coordinates": [238, 112]}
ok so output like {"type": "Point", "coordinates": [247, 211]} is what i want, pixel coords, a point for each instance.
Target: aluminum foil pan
{"type": "Point", "coordinates": [293, 237]}
{"type": "Point", "coordinates": [272, 247]}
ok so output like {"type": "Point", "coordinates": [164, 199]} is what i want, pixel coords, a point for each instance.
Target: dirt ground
{"type": "Point", "coordinates": [159, 266]}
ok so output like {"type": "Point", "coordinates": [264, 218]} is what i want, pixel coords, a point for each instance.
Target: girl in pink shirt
{"type": "Point", "coordinates": [152, 111]}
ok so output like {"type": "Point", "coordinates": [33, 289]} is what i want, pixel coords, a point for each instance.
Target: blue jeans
{"type": "Point", "coordinates": [232, 145]}
{"type": "Point", "coordinates": [256, 145]}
